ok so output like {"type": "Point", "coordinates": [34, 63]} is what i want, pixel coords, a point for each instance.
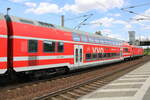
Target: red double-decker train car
{"type": "Point", "coordinates": [3, 45]}
{"type": "Point", "coordinates": [30, 46]}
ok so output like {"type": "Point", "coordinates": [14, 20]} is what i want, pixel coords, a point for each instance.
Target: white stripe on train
{"type": "Point", "coordinates": [71, 66]}
{"type": "Point", "coordinates": [3, 36]}
{"type": "Point", "coordinates": [3, 59]}
{"type": "Point", "coordinates": [26, 58]}
{"type": "Point", "coordinates": [2, 71]}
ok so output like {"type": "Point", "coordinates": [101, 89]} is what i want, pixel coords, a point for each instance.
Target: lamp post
{"type": "Point", "coordinates": [8, 10]}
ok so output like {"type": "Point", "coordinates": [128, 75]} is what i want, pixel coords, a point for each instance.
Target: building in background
{"type": "Point", "coordinates": [132, 37]}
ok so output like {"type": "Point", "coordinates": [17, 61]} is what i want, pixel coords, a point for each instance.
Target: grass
{"type": "Point", "coordinates": [147, 52]}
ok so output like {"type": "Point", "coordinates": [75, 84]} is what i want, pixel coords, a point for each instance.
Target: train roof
{"type": "Point", "coordinates": [48, 25]}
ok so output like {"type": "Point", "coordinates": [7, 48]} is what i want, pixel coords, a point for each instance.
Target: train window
{"type": "Point", "coordinates": [126, 50]}
{"type": "Point", "coordinates": [32, 46]}
{"type": "Point", "coordinates": [88, 56]}
{"type": "Point", "coordinates": [94, 56]}
{"type": "Point", "coordinates": [48, 46]}
{"type": "Point", "coordinates": [96, 40]}
{"type": "Point", "coordinates": [109, 42]}
{"type": "Point", "coordinates": [45, 24]}
{"type": "Point", "coordinates": [113, 54]}
{"type": "Point", "coordinates": [84, 38]}
{"type": "Point", "coordinates": [104, 41]}
{"type": "Point", "coordinates": [80, 55]}
{"type": "Point", "coordinates": [76, 37]}
{"type": "Point", "coordinates": [91, 39]}
{"type": "Point", "coordinates": [60, 47]}
{"type": "Point", "coordinates": [104, 55]}
{"type": "Point", "coordinates": [118, 54]}
{"type": "Point", "coordinates": [76, 52]}
{"type": "Point", "coordinates": [113, 43]}
{"type": "Point", "coordinates": [101, 41]}
{"type": "Point", "coordinates": [100, 55]}
{"type": "Point", "coordinates": [108, 54]}
{"type": "Point", "coordinates": [26, 21]}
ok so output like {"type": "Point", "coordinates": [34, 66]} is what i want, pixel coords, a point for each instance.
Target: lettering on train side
{"type": "Point", "coordinates": [97, 50]}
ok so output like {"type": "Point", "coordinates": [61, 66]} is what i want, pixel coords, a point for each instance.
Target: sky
{"type": "Point", "coordinates": [107, 15]}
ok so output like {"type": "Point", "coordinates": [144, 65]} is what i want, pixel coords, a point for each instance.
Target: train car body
{"type": "Point", "coordinates": [137, 51]}
{"type": "Point", "coordinates": [37, 45]}
{"type": "Point", "coordinates": [34, 46]}
{"type": "Point", "coordinates": [127, 51]}
{"type": "Point", "coordinates": [3, 45]}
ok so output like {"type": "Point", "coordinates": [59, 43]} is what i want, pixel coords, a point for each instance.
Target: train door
{"type": "Point", "coordinates": [78, 55]}
{"type": "Point", "coordinates": [121, 52]}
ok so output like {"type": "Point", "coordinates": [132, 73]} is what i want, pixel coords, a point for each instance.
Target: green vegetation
{"type": "Point", "coordinates": [147, 51]}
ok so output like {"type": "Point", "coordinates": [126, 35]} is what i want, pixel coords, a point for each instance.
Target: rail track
{"type": "Point", "coordinates": [74, 92]}
{"type": "Point", "coordinates": [72, 85]}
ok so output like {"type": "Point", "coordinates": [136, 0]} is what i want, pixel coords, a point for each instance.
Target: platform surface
{"type": "Point", "coordinates": [135, 85]}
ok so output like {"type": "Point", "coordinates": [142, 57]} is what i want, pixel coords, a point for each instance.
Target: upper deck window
{"type": "Point", "coordinates": [84, 38]}
{"type": "Point", "coordinates": [32, 46]}
{"type": "Point", "coordinates": [91, 39]}
{"type": "Point", "coordinates": [26, 21]}
{"type": "Point", "coordinates": [97, 40]}
{"type": "Point", "coordinates": [76, 37]}
{"type": "Point", "coordinates": [45, 24]}
{"type": "Point", "coordinates": [104, 41]}
{"type": "Point", "coordinates": [101, 41]}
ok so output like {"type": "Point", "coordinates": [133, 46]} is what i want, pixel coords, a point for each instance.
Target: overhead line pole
{"type": "Point", "coordinates": [62, 21]}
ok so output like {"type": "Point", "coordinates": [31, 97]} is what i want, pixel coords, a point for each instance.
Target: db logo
{"type": "Point", "coordinates": [97, 50]}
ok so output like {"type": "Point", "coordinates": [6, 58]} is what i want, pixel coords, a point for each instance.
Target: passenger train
{"type": "Point", "coordinates": [29, 46]}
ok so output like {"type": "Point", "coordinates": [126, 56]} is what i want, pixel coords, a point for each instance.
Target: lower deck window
{"type": "Point", "coordinates": [88, 56]}
{"type": "Point", "coordinates": [104, 55]}
{"type": "Point", "coordinates": [94, 56]}
{"type": "Point", "coordinates": [100, 55]}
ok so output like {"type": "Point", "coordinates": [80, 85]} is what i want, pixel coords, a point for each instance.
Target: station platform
{"type": "Point", "coordinates": [135, 85]}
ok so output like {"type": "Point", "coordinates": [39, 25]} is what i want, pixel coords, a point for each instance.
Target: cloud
{"type": "Point", "coordinates": [108, 33]}
{"type": "Point", "coordinates": [115, 15]}
{"type": "Point", "coordinates": [143, 20]}
{"type": "Point", "coordinates": [109, 21]}
{"type": "Point", "coordinates": [146, 27]}
{"type": "Point", "coordinates": [145, 16]}
{"type": "Point", "coordinates": [16, 1]}
{"type": "Point", "coordinates": [81, 6]}
{"type": "Point", "coordinates": [43, 7]}
{"type": "Point", "coordinates": [106, 22]}
{"type": "Point", "coordinates": [30, 4]}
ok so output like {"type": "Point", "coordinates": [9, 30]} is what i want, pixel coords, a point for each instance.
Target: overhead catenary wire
{"type": "Point", "coordinates": [82, 22]}
{"type": "Point", "coordinates": [74, 18]}
{"type": "Point", "coordinates": [145, 4]}
{"type": "Point", "coordinates": [133, 12]}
